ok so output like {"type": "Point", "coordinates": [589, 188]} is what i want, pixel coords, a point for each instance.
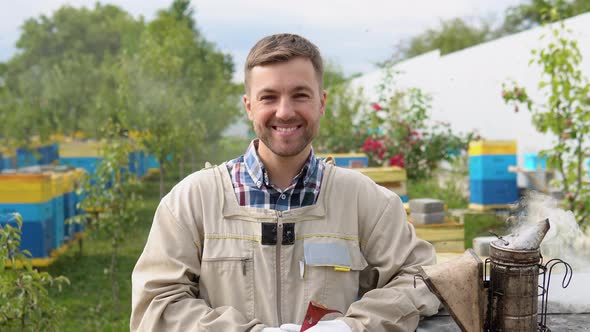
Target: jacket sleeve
{"type": "Point", "coordinates": [165, 294]}
{"type": "Point", "coordinates": [393, 252]}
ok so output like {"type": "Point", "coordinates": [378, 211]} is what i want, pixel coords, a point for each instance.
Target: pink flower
{"type": "Point", "coordinates": [376, 107]}
{"type": "Point", "coordinates": [397, 160]}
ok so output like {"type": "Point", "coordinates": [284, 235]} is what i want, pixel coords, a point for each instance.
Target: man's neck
{"type": "Point", "coordinates": [282, 170]}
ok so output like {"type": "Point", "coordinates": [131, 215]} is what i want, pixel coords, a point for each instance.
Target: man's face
{"type": "Point", "coordinates": [285, 105]}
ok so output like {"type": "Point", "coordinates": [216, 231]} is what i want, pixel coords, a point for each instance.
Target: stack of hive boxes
{"type": "Point", "coordinates": [86, 155]}
{"type": "Point", "coordinates": [80, 154]}
{"type": "Point", "coordinates": [45, 200]}
{"type": "Point", "coordinates": [393, 178]}
{"type": "Point", "coordinates": [5, 159]}
{"type": "Point", "coordinates": [72, 179]}
{"type": "Point", "coordinates": [31, 196]}
{"type": "Point", "coordinates": [491, 185]}
{"type": "Point", "coordinates": [58, 220]}
{"type": "Point", "coordinates": [427, 211]}
{"type": "Point", "coordinates": [152, 164]}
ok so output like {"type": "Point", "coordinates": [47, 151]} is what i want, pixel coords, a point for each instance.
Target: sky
{"type": "Point", "coordinates": [352, 34]}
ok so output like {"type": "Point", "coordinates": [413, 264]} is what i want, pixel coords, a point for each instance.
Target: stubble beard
{"type": "Point", "coordinates": [264, 133]}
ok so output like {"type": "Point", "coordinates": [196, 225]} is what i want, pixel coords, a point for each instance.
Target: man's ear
{"type": "Point", "coordinates": [248, 106]}
{"type": "Point", "coordinates": [323, 97]}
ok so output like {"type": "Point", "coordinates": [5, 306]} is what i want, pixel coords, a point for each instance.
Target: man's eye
{"type": "Point", "coordinates": [301, 96]}
{"type": "Point", "coordinates": [267, 98]}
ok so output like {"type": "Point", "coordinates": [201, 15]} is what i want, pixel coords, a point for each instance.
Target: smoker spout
{"type": "Point", "coordinates": [527, 236]}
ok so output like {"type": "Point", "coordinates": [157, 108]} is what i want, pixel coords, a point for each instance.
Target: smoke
{"type": "Point", "coordinates": [564, 239]}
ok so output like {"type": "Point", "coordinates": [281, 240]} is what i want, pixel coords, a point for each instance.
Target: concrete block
{"type": "Point", "coordinates": [428, 218]}
{"type": "Point", "coordinates": [426, 205]}
{"type": "Point", "coordinates": [481, 245]}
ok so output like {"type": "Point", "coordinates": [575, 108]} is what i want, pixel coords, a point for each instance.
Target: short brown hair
{"type": "Point", "coordinates": [282, 48]}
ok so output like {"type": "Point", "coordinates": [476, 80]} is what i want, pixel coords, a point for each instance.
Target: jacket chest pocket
{"type": "Point", "coordinates": [332, 271]}
{"type": "Point", "coordinates": [227, 279]}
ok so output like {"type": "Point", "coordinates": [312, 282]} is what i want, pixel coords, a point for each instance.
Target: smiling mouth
{"type": "Point", "coordinates": [285, 129]}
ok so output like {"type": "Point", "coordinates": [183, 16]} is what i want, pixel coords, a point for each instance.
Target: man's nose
{"type": "Point", "coordinates": [285, 109]}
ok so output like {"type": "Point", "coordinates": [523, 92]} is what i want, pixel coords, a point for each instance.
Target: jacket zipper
{"type": "Point", "coordinates": [278, 265]}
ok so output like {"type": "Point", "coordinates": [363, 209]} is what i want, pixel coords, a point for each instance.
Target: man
{"type": "Point", "coordinates": [245, 246]}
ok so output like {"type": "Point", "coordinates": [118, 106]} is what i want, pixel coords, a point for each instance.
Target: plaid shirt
{"type": "Point", "coordinates": [253, 188]}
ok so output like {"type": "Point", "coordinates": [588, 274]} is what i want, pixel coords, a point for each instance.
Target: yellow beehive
{"type": "Point", "coordinates": [384, 174]}
{"type": "Point", "coordinates": [485, 147]}
{"type": "Point", "coordinates": [393, 178]}
{"type": "Point", "coordinates": [57, 184]}
{"type": "Point", "coordinates": [25, 188]}
{"type": "Point", "coordinates": [69, 181]}
{"type": "Point", "coordinates": [79, 149]}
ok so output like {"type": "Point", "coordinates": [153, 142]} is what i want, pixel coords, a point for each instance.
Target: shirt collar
{"type": "Point", "coordinates": [257, 172]}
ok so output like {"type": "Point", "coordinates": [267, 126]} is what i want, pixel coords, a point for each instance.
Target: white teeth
{"type": "Point", "coordinates": [286, 129]}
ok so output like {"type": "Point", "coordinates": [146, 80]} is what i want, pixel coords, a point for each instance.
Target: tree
{"type": "Point", "coordinates": [178, 90]}
{"type": "Point", "coordinates": [57, 68]}
{"type": "Point", "coordinates": [110, 194]}
{"type": "Point", "coordinates": [339, 132]}
{"type": "Point", "coordinates": [24, 301]}
{"type": "Point", "coordinates": [452, 35]}
{"type": "Point", "coordinates": [528, 15]}
{"type": "Point", "coordinates": [456, 34]}
{"type": "Point", "coordinates": [564, 113]}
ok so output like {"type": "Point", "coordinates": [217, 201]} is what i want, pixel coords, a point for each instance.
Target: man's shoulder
{"type": "Point", "coordinates": [199, 180]}
{"type": "Point", "coordinates": [352, 180]}
{"type": "Point", "coordinates": [350, 176]}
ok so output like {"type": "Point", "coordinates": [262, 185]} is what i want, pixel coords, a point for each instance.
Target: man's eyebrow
{"type": "Point", "coordinates": [265, 90]}
{"type": "Point", "coordinates": [302, 88]}
{"type": "Point", "coordinates": [295, 89]}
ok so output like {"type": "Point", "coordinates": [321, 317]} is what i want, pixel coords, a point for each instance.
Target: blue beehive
{"type": "Point", "coordinates": [533, 162]}
{"type": "Point", "coordinates": [490, 182]}
{"type": "Point", "coordinates": [88, 163]}
{"type": "Point", "coordinates": [5, 162]}
{"type": "Point", "coordinates": [54, 153]}
{"type": "Point", "coordinates": [30, 195]}
{"type": "Point", "coordinates": [152, 162]}
{"type": "Point", "coordinates": [69, 213]}
{"type": "Point", "coordinates": [25, 158]}
{"type": "Point", "coordinates": [36, 237]}
{"type": "Point", "coordinates": [58, 220]}
{"type": "Point", "coordinates": [142, 164]}
{"type": "Point", "coordinates": [491, 167]}
{"type": "Point", "coordinates": [29, 211]}
{"type": "Point", "coordinates": [491, 192]}
{"type": "Point", "coordinates": [42, 154]}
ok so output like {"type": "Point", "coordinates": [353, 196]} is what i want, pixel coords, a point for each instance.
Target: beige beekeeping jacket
{"type": "Point", "coordinates": [204, 267]}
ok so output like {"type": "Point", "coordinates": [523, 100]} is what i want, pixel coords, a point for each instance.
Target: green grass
{"type": "Point", "coordinates": [88, 300]}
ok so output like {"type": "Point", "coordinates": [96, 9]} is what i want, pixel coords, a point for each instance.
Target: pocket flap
{"type": "Point", "coordinates": [226, 248]}
{"type": "Point", "coordinates": [333, 252]}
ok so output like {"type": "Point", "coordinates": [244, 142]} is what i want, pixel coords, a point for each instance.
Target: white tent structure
{"type": "Point", "coordinates": [466, 85]}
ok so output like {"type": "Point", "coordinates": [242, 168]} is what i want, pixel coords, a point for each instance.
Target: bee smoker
{"type": "Point", "coordinates": [507, 300]}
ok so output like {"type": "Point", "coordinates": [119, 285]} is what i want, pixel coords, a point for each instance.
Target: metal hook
{"type": "Point", "coordinates": [499, 238]}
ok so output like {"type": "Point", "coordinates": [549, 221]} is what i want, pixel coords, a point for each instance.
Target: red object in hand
{"type": "Point", "coordinates": [315, 312]}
